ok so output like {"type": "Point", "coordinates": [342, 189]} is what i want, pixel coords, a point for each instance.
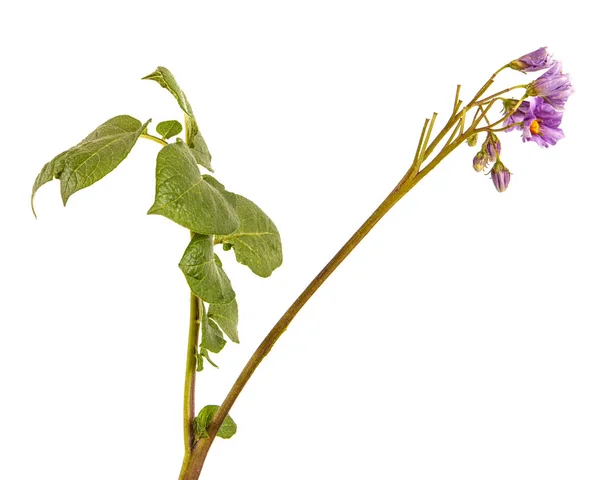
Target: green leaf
{"type": "Point", "coordinates": [205, 277]}
{"type": "Point", "coordinates": [92, 158]}
{"type": "Point", "coordinates": [200, 360]}
{"type": "Point", "coordinates": [166, 80]}
{"type": "Point", "coordinates": [183, 196]}
{"type": "Point", "coordinates": [230, 197]}
{"type": "Point", "coordinates": [204, 353]}
{"type": "Point", "coordinates": [201, 153]}
{"type": "Point", "coordinates": [194, 139]}
{"type": "Point", "coordinates": [256, 242]}
{"type": "Point", "coordinates": [49, 172]}
{"type": "Point", "coordinates": [202, 422]}
{"type": "Point", "coordinates": [225, 316]}
{"type": "Point", "coordinates": [169, 128]}
{"type": "Point", "coordinates": [212, 338]}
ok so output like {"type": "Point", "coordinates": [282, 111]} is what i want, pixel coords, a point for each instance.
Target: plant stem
{"type": "Point", "coordinates": [409, 180]}
{"type": "Point", "coordinates": [497, 94]}
{"type": "Point", "coordinates": [190, 380]}
{"type": "Point", "coordinates": [412, 177]}
{"type": "Point", "coordinates": [154, 139]}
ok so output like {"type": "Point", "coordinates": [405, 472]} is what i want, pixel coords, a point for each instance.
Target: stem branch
{"type": "Point", "coordinates": [154, 139]}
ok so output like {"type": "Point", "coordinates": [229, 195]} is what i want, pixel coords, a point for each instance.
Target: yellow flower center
{"type": "Point", "coordinates": [535, 127]}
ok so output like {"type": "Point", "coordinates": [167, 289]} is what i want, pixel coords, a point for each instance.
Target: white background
{"type": "Point", "coordinates": [459, 341]}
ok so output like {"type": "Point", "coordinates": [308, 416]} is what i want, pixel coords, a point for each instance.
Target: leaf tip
{"type": "Point", "coordinates": [153, 209]}
{"type": "Point", "coordinates": [65, 198]}
{"type": "Point", "coordinates": [151, 76]}
{"type": "Point", "coordinates": [32, 206]}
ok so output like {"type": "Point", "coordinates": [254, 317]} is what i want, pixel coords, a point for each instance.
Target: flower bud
{"type": "Point", "coordinates": [500, 176]}
{"type": "Point", "coordinates": [480, 161]}
{"type": "Point", "coordinates": [472, 140]}
{"type": "Point", "coordinates": [492, 146]}
{"type": "Point", "coordinates": [534, 61]}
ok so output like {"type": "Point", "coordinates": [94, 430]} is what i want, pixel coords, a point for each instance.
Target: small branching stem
{"type": "Point", "coordinates": [507, 115]}
{"type": "Point", "coordinates": [154, 139]}
{"type": "Point", "coordinates": [497, 94]}
{"type": "Point", "coordinates": [419, 152]}
{"type": "Point", "coordinates": [457, 101]}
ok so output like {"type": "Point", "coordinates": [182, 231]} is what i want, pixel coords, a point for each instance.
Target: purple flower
{"type": "Point", "coordinates": [534, 61]}
{"type": "Point", "coordinates": [553, 86]}
{"type": "Point", "coordinates": [500, 176]}
{"type": "Point", "coordinates": [518, 116]}
{"type": "Point", "coordinates": [541, 123]}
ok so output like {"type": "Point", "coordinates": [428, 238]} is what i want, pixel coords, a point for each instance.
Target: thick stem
{"type": "Point", "coordinates": [409, 180]}
{"type": "Point", "coordinates": [190, 380]}
{"type": "Point", "coordinates": [412, 177]}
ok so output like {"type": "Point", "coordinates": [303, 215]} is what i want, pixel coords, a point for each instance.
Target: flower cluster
{"type": "Point", "coordinates": [538, 119]}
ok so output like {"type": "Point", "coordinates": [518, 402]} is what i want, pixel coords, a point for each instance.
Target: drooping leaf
{"type": "Point", "coordinates": [200, 360]}
{"type": "Point", "coordinates": [256, 242]}
{"type": "Point", "coordinates": [92, 158]}
{"type": "Point", "coordinates": [169, 128]}
{"type": "Point", "coordinates": [230, 197]}
{"type": "Point", "coordinates": [49, 172]}
{"type": "Point", "coordinates": [205, 277]}
{"type": "Point", "coordinates": [204, 353]}
{"type": "Point", "coordinates": [225, 316]}
{"type": "Point", "coordinates": [212, 338]}
{"type": "Point", "coordinates": [183, 196]}
{"type": "Point", "coordinates": [202, 422]}
{"type": "Point", "coordinates": [194, 139]}
{"type": "Point", "coordinates": [201, 153]}
{"type": "Point", "coordinates": [165, 79]}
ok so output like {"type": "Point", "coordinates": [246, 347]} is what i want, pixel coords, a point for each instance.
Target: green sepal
{"type": "Point", "coordinates": [91, 159]}
{"type": "Point", "coordinates": [169, 128]}
{"type": "Point", "coordinates": [202, 422]}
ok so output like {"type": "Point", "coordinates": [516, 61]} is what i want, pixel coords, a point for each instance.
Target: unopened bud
{"type": "Point", "coordinates": [500, 176]}
{"type": "Point", "coordinates": [540, 59]}
{"type": "Point", "coordinates": [480, 161]}
{"type": "Point", "coordinates": [492, 146]}
{"type": "Point", "coordinates": [472, 140]}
